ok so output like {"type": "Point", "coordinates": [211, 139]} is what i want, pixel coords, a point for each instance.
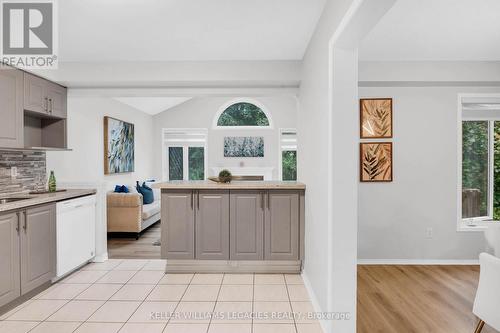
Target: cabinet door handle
{"type": "Point", "coordinates": [268, 200]}
{"type": "Point", "coordinates": [192, 195]}
{"type": "Point", "coordinates": [46, 104]}
{"type": "Point", "coordinates": [51, 105]}
{"type": "Point", "coordinates": [198, 199]}
{"type": "Point", "coordinates": [18, 222]}
{"type": "Point", "coordinates": [262, 200]}
{"type": "Point", "coordinates": [25, 225]}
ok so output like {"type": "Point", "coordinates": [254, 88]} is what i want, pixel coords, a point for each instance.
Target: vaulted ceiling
{"type": "Point", "coordinates": [186, 30]}
{"type": "Point", "coordinates": [436, 30]}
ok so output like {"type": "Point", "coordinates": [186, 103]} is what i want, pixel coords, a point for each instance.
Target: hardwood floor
{"type": "Point", "coordinates": [417, 299]}
{"type": "Point", "coordinates": [129, 248]}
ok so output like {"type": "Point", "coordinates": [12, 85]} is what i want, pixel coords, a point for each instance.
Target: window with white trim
{"type": "Point", "coordinates": [288, 154]}
{"type": "Point", "coordinates": [480, 161]}
{"type": "Point", "coordinates": [184, 154]}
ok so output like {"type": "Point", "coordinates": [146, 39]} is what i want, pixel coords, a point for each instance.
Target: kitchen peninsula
{"type": "Point", "coordinates": [242, 226]}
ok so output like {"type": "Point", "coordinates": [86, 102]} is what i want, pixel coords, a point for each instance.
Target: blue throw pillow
{"type": "Point", "coordinates": [121, 189]}
{"type": "Point", "coordinates": [147, 194]}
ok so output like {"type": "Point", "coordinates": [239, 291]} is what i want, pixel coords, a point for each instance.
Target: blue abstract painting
{"type": "Point", "coordinates": [118, 146]}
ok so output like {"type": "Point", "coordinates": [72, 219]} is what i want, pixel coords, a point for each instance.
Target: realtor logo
{"type": "Point", "coordinates": [28, 31]}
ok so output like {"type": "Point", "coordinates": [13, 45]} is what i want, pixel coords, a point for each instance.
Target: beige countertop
{"type": "Point", "coordinates": [38, 199]}
{"type": "Point", "coordinates": [234, 185]}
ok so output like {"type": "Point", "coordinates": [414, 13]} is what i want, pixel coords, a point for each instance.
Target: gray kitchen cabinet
{"type": "Point", "coordinates": [9, 258]}
{"type": "Point", "coordinates": [235, 227]}
{"type": "Point", "coordinates": [281, 240]}
{"type": "Point", "coordinates": [27, 250]}
{"type": "Point", "coordinates": [35, 97]}
{"type": "Point", "coordinates": [177, 230]}
{"type": "Point", "coordinates": [247, 225]}
{"type": "Point", "coordinates": [212, 224]}
{"type": "Point", "coordinates": [44, 97]}
{"type": "Point", "coordinates": [57, 100]}
{"type": "Point", "coordinates": [38, 246]}
{"type": "Point", "coordinates": [33, 111]}
{"type": "Point", "coordinates": [11, 108]}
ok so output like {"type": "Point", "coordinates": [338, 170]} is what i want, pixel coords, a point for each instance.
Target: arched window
{"type": "Point", "coordinates": [242, 114]}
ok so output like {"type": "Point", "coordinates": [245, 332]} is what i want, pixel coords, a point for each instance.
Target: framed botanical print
{"type": "Point", "coordinates": [375, 118]}
{"type": "Point", "coordinates": [375, 161]}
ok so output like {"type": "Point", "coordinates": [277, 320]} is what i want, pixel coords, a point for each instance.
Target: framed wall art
{"type": "Point", "coordinates": [118, 146]}
{"type": "Point", "coordinates": [243, 146]}
{"type": "Point", "coordinates": [375, 161]}
{"type": "Point", "coordinates": [375, 118]}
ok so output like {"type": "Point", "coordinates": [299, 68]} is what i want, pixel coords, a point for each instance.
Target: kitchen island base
{"type": "Point", "coordinates": [241, 227]}
{"type": "Point", "coordinates": [234, 266]}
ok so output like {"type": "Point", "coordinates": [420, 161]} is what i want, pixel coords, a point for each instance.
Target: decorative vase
{"type": "Point", "coordinates": [52, 182]}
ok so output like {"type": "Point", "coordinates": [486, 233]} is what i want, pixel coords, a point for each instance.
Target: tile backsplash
{"type": "Point", "coordinates": [31, 168]}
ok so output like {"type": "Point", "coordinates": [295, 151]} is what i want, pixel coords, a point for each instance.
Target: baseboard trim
{"type": "Point", "coordinates": [314, 301]}
{"type": "Point", "coordinates": [101, 258]}
{"type": "Point", "coordinates": [417, 262]}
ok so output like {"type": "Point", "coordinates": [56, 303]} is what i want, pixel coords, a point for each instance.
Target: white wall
{"type": "Point", "coordinates": [200, 113]}
{"type": "Point", "coordinates": [328, 127]}
{"type": "Point", "coordinates": [393, 217]}
{"type": "Point", "coordinates": [314, 157]}
{"type": "Point", "coordinates": [85, 137]}
{"type": "Point", "coordinates": [84, 165]}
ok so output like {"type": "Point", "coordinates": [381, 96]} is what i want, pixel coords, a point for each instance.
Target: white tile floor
{"type": "Point", "coordinates": [135, 296]}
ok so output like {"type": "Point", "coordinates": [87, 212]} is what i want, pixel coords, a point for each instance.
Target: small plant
{"type": "Point", "coordinates": [225, 176]}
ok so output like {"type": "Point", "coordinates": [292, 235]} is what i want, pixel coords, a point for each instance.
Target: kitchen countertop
{"type": "Point", "coordinates": [234, 185]}
{"type": "Point", "coordinates": [37, 199]}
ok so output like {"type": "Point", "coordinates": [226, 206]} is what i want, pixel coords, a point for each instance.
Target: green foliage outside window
{"type": "Point", "coordinates": [196, 157]}
{"type": "Point", "coordinates": [289, 164]}
{"type": "Point", "coordinates": [243, 114]}
{"type": "Point", "coordinates": [496, 172]}
{"type": "Point", "coordinates": [475, 163]}
{"type": "Point", "coordinates": [175, 163]}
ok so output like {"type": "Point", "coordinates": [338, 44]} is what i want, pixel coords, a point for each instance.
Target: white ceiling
{"type": "Point", "coordinates": [186, 30]}
{"type": "Point", "coordinates": [435, 30]}
{"type": "Point", "coordinates": [152, 105]}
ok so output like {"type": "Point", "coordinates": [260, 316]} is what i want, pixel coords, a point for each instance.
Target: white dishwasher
{"type": "Point", "coordinates": [75, 233]}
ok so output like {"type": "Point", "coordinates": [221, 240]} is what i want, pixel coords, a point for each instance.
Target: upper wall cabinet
{"type": "Point", "coordinates": [57, 98]}
{"type": "Point", "coordinates": [32, 111]}
{"type": "Point", "coordinates": [11, 108]}
{"type": "Point", "coordinates": [35, 98]}
{"type": "Point", "coordinates": [44, 97]}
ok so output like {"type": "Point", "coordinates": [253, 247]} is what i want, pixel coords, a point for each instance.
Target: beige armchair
{"type": "Point", "coordinates": [126, 213]}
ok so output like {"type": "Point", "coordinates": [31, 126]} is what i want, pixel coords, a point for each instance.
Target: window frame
{"type": "Point", "coordinates": [185, 144]}
{"type": "Point", "coordinates": [476, 223]}
{"type": "Point", "coordinates": [288, 148]}
{"type": "Point", "coordinates": [223, 108]}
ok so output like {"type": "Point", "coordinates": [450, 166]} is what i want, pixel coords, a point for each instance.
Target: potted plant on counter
{"type": "Point", "coordinates": [225, 176]}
